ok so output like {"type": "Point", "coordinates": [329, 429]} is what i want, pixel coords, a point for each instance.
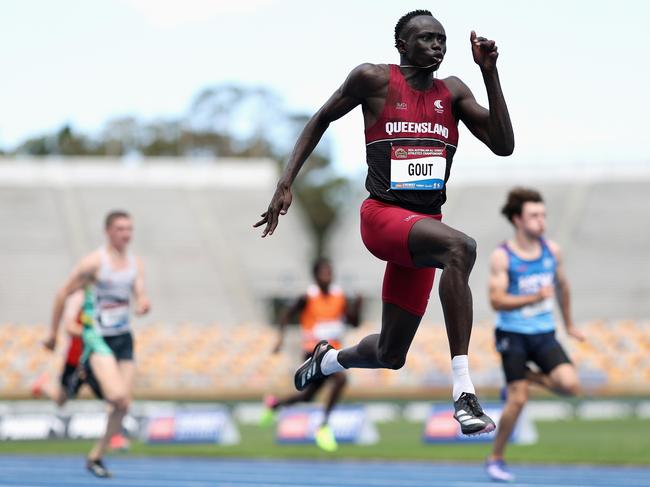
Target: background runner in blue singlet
{"type": "Point", "coordinates": [526, 273]}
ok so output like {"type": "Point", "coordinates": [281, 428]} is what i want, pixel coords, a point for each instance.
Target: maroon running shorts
{"type": "Point", "coordinates": [385, 230]}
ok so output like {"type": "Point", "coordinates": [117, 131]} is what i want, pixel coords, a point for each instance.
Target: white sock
{"type": "Point", "coordinates": [460, 376]}
{"type": "Point", "coordinates": [330, 363]}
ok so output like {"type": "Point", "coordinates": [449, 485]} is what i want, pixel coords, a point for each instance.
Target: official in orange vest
{"type": "Point", "coordinates": [324, 310]}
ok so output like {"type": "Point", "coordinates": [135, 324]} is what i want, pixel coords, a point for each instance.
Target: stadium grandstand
{"type": "Point", "coordinates": [193, 225]}
{"type": "Point", "coordinates": [212, 279]}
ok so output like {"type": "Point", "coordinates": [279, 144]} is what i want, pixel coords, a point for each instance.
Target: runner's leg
{"type": "Point", "coordinates": [388, 348]}
{"type": "Point", "coordinates": [557, 373]}
{"type": "Point", "coordinates": [338, 380]}
{"type": "Point", "coordinates": [54, 391]}
{"type": "Point", "coordinates": [127, 370]}
{"type": "Point", "coordinates": [515, 402]}
{"type": "Point", "coordinates": [303, 396]}
{"type": "Point", "coordinates": [106, 371]}
{"type": "Point", "coordinates": [434, 244]}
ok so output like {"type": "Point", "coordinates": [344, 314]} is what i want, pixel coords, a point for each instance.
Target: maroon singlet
{"type": "Point", "coordinates": [417, 134]}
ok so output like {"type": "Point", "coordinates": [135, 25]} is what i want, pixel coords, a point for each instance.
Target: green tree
{"type": "Point", "coordinates": [222, 121]}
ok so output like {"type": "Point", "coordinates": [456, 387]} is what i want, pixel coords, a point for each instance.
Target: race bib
{"type": "Point", "coordinates": [536, 309]}
{"type": "Point", "coordinates": [114, 316]}
{"type": "Point", "coordinates": [417, 167]}
{"type": "Point", "coordinates": [328, 330]}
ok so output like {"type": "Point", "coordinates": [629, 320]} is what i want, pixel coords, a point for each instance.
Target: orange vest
{"type": "Point", "coordinates": [322, 317]}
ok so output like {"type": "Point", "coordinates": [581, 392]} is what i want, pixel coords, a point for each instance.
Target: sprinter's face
{"type": "Point", "coordinates": [532, 220]}
{"type": "Point", "coordinates": [119, 232]}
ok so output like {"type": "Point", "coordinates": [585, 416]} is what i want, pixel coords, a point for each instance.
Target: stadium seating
{"type": "Point", "coordinates": [211, 278]}
{"type": "Point", "coordinates": [209, 360]}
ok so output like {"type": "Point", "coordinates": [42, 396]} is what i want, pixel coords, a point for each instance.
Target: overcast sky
{"type": "Point", "coordinates": [575, 73]}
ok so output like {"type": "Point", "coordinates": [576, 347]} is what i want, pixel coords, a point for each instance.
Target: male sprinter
{"type": "Point", "coordinates": [73, 376]}
{"type": "Point", "coordinates": [110, 276]}
{"type": "Point", "coordinates": [411, 127]}
{"type": "Point", "coordinates": [525, 273]}
{"type": "Point", "coordinates": [323, 311]}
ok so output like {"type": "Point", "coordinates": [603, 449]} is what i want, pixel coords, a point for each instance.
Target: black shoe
{"type": "Point", "coordinates": [310, 370]}
{"type": "Point", "coordinates": [472, 419]}
{"type": "Point", "coordinates": [97, 468]}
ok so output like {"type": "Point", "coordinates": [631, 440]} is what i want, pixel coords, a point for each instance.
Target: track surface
{"type": "Point", "coordinates": [51, 471]}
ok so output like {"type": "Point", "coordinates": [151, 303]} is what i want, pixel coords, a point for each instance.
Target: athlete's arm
{"type": "Point", "coordinates": [563, 293]}
{"type": "Point", "coordinates": [360, 83]}
{"type": "Point", "coordinates": [142, 303]}
{"type": "Point", "coordinates": [493, 126]}
{"type": "Point", "coordinates": [498, 286]}
{"type": "Point", "coordinates": [285, 315]}
{"type": "Point", "coordinates": [82, 275]}
{"type": "Point", "coordinates": [73, 306]}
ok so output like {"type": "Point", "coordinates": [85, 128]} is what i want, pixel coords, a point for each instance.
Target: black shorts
{"type": "Point", "coordinates": [518, 348]}
{"type": "Point", "coordinates": [73, 377]}
{"type": "Point", "coordinates": [121, 345]}
{"type": "Point", "coordinates": [122, 348]}
{"type": "Point", "coordinates": [71, 380]}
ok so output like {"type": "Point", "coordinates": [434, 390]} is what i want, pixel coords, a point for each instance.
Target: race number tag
{"type": "Point", "coordinates": [328, 330]}
{"type": "Point", "coordinates": [417, 167]}
{"type": "Point", "coordinates": [532, 310]}
{"type": "Point", "coordinates": [114, 315]}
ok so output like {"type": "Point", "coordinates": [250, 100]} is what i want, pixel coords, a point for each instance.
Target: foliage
{"type": "Point", "coordinates": [224, 121]}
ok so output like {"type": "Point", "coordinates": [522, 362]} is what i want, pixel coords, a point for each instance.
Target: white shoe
{"type": "Point", "coordinates": [497, 470]}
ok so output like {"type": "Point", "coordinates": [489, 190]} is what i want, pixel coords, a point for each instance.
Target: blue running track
{"type": "Point", "coordinates": [50, 471]}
